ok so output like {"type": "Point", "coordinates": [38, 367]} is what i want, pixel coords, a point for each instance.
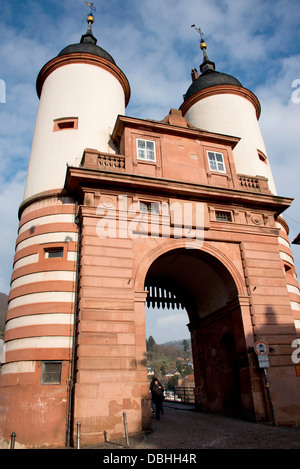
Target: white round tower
{"type": "Point", "coordinates": [217, 102]}
{"type": "Point", "coordinates": [81, 93]}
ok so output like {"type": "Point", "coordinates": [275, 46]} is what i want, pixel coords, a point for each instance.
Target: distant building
{"type": "Point", "coordinates": [188, 381]}
{"type": "Point", "coordinates": [190, 362]}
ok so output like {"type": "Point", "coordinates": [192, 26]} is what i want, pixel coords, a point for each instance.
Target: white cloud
{"type": "Point", "coordinates": [10, 198]}
{"type": "Point", "coordinates": [173, 320]}
{"type": "Point", "coordinates": [165, 325]}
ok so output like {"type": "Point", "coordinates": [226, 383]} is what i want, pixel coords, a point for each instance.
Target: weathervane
{"type": "Point", "coordinates": [91, 5]}
{"type": "Point", "coordinates": [198, 30]}
{"type": "Point", "coordinates": [202, 43]}
{"type": "Point", "coordinates": [207, 65]}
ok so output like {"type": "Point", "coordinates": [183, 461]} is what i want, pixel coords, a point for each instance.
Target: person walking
{"type": "Point", "coordinates": [157, 393]}
{"type": "Point", "coordinates": [151, 387]}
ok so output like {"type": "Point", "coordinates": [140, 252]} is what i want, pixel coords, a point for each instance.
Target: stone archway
{"type": "Point", "coordinates": [209, 293]}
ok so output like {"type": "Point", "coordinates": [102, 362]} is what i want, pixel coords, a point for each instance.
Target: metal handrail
{"type": "Point", "coordinates": [184, 394]}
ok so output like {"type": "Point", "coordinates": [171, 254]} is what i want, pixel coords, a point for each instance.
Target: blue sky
{"type": "Point", "coordinates": [153, 43]}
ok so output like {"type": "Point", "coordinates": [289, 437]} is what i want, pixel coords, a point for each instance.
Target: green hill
{"type": "Point", "coordinates": [178, 344]}
{"type": "Point", "coordinates": [169, 359]}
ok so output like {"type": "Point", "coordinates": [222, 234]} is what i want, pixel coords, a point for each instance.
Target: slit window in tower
{"type": "Point", "coordinates": [216, 161]}
{"type": "Point", "coordinates": [146, 150]}
{"type": "Point", "coordinates": [65, 123]}
{"type": "Point", "coordinates": [287, 269]}
{"type": "Point", "coordinates": [262, 156]}
{"type": "Point", "coordinates": [51, 372]}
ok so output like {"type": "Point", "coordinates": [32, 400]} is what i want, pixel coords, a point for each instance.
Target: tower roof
{"type": "Point", "coordinates": [85, 51]}
{"type": "Point", "coordinates": [87, 44]}
{"type": "Point", "coordinates": [209, 76]}
{"type": "Point", "coordinates": [88, 48]}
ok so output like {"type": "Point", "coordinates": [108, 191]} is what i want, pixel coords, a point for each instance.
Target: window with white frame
{"type": "Point", "coordinates": [149, 207]}
{"type": "Point", "coordinates": [146, 150]}
{"type": "Point", "coordinates": [216, 162]}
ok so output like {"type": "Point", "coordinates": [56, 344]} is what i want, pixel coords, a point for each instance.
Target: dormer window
{"type": "Point", "coordinates": [146, 150]}
{"type": "Point", "coordinates": [216, 162]}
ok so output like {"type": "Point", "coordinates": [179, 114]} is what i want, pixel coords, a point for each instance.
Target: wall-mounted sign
{"type": "Point", "coordinates": [262, 349]}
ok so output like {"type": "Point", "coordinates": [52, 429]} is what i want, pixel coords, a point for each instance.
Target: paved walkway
{"type": "Point", "coordinates": [183, 428]}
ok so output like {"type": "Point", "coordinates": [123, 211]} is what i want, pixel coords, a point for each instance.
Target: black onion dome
{"type": "Point", "coordinates": [89, 48]}
{"type": "Point", "coordinates": [87, 45]}
{"type": "Point", "coordinates": [208, 79]}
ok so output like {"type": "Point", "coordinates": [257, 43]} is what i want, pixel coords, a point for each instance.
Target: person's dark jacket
{"type": "Point", "coordinates": [157, 393]}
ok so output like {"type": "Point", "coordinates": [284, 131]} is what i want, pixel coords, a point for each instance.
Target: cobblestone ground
{"type": "Point", "coordinates": [188, 429]}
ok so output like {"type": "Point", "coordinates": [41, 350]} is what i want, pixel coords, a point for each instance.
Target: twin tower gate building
{"type": "Point", "coordinates": [120, 211]}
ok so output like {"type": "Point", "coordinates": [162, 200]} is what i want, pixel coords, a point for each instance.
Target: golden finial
{"type": "Point", "coordinates": [90, 18]}
{"type": "Point", "coordinates": [207, 64]}
{"type": "Point", "coordinates": [202, 44]}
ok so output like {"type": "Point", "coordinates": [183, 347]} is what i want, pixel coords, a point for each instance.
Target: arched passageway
{"type": "Point", "coordinates": [200, 283]}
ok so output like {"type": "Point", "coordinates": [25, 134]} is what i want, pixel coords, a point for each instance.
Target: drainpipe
{"type": "Point", "coordinates": [77, 221]}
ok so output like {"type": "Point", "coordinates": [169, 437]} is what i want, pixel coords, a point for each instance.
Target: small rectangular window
{"type": "Point", "coordinates": [51, 372]}
{"type": "Point", "coordinates": [149, 207]}
{"type": "Point", "coordinates": [262, 156]}
{"type": "Point", "coordinates": [65, 123]}
{"type": "Point", "coordinates": [54, 253]}
{"type": "Point", "coordinates": [223, 216]}
{"type": "Point", "coordinates": [146, 150]}
{"type": "Point", "coordinates": [216, 162]}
